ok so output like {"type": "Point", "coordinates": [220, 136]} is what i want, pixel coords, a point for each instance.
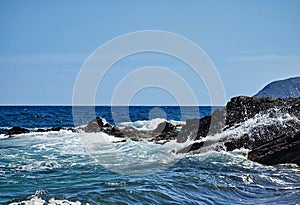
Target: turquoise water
{"type": "Point", "coordinates": [79, 168]}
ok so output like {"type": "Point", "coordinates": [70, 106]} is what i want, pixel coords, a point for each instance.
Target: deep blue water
{"type": "Point", "coordinates": [61, 116]}
{"type": "Point", "coordinates": [47, 168]}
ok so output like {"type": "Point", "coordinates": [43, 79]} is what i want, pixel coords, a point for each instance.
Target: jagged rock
{"type": "Point", "coordinates": [164, 131]}
{"type": "Point", "coordinates": [113, 130]}
{"type": "Point", "coordinates": [164, 127]}
{"type": "Point", "coordinates": [283, 149]}
{"type": "Point", "coordinates": [195, 129]}
{"type": "Point", "coordinates": [242, 108]}
{"type": "Point", "coordinates": [17, 130]}
{"type": "Point", "coordinates": [94, 126]}
{"type": "Point", "coordinates": [283, 116]}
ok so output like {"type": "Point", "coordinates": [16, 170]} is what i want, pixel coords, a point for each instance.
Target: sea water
{"type": "Point", "coordinates": [68, 167]}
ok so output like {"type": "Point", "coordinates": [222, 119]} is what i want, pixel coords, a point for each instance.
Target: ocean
{"type": "Point", "coordinates": [68, 167]}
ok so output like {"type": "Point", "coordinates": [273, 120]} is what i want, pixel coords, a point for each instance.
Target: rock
{"type": "Point", "coordinates": [242, 108]}
{"type": "Point", "coordinates": [50, 129]}
{"type": "Point", "coordinates": [191, 147]}
{"type": "Point", "coordinates": [238, 111]}
{"type": "Point", "coordinates": [164, 131]}
{"type": "Point", "coordinates": [164, 127]}
{"type": "Point", "coordinates": [113, 130]}
{"type": "Point", "coordinates": [17, 130]}
{"type": "Point", "coordinates": [196, 129]}
{"type": "Point", "coordinates": [94, 126]}
{"type": "Point", "coordinates": [201, 147]}
{"type": "Point", "coordinates": [283, 149]}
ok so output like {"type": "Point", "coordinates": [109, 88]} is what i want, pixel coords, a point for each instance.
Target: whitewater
{"type": "Point", "coordinates": [68, 167]}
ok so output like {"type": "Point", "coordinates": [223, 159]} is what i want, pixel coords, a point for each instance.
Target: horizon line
{"type": "Point", "coordinates": [107, 105]}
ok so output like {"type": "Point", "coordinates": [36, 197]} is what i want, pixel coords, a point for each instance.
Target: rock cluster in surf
{"type": "Point", "coordinates": [269, 127]}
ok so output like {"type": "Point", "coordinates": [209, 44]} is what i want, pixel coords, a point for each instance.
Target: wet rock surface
{"type": "Point", "coordinates": [258, 124]}
{"type": "Point", "coordinates": [284, 149]}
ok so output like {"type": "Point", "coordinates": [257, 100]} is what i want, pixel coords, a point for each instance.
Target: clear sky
{"type": "Point", "coordinates": [43, 44]}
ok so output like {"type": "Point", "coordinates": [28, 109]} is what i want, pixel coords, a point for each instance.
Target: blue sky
{"type": "Point", "coordinates": [43, 45]}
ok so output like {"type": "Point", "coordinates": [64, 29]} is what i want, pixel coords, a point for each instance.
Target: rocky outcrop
{"type": "Point", "coordinates": [283, 149]}
{"type": "Point", "coordinates": [280, 116]}
{"type": "Point", "coordinates": [257, 124]}
{"type": "Point", "coordinates": [165, 131]}
{"type": "Point", "coordinates": [242, 108]}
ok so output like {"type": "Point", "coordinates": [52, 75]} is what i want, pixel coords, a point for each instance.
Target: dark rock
{"type": "Point", "coordinates": [281, 89]}
{"type": "Point", "coordinates": [17, 130]}
{"type": "Point", "coordinates": [190, 148]}
{"type": "Point", "coordinates": [107, 125]}
{"type": "Point", "coordinates": [244, 141]}
{"type": "Point", "coordinates": [114, 131]}
{"type": "Point", "coordinates": [283, 149]}
{"type": "Point", "coordinates": [264, 133]}
{"type": "Point", "coordinates": [196, 129]}
{"type": "Point", "coordinates": [165, 127]}
{"type": "Point", "coordinates": [242, 108]}
{"type": "Point", "coordinates": [71, 129]}
{"type": "Point", "coordinates": [164, 131]}
{"type": "Point", "coordinates": [201, 147]}
{"type": "Point", "coordinates": [94, 126]}
{"type": "Point", "coordinates": [56, 129]}
{"type": "Point", "coordinates": [41, 130]}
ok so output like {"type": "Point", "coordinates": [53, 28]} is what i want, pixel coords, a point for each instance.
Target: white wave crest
{"type": "Point", "coordinates": [259, 121]}
{"type": "Point", "coordinates": [35, 200]}
{"type": "Point", "coordinates": [2, 136]}
{"type": "Point", "coordinates": [148, 125]}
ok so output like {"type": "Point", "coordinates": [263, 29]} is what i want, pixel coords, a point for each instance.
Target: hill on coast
{"type": "Point", "coordinates": [287, 88]}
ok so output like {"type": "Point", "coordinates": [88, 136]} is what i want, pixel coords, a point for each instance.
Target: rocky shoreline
{"type": "Point", "coordinates": [269, 127]}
